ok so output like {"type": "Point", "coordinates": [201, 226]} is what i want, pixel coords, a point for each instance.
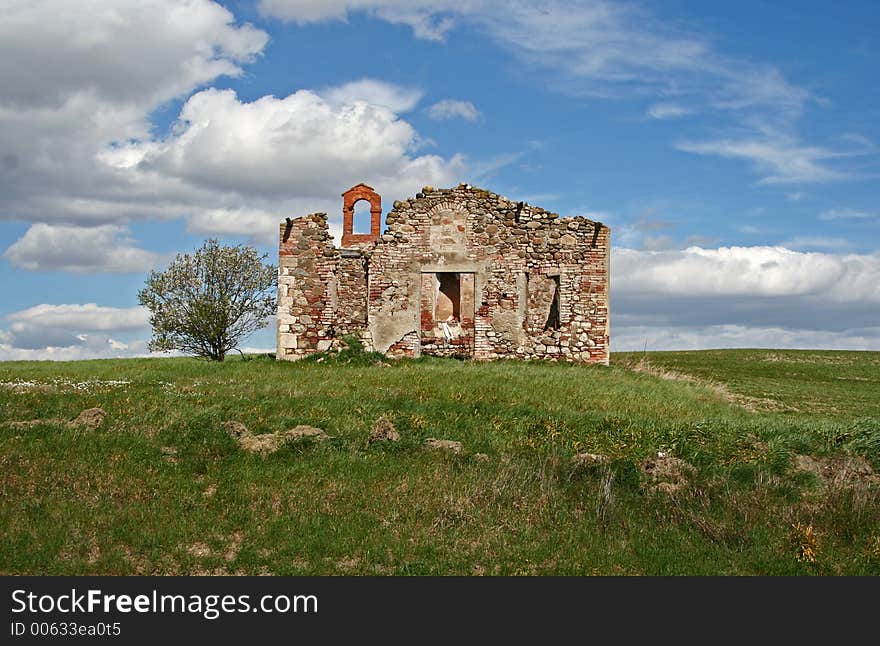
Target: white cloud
{"type": "Point", "coordinates": [261, 226]}
{"type": "Point", "coordinates": [596, 47]}
{"type": "Point", "coordinates": [106, 248]}
{"type": "Point", "coordinates": [668, 111]}
{"type": "Point", "coordinates": [256, 162]}
{"type": "Point", "coordinates": [755, 88]}
{"type": "Point", "coordinates": [593, 40]}
{"type": "Point", "coordinates": [429, 19]}
{"type": "Point", "coordinates": [846, 213]}
{"type": "Point", "coordinates": [657, 243]}
{"type": "Point", "coordinates": [122, 52]}
{"type": "Point", "coordinates": [74, 332]}
{"type": "Point", "coordinates": [452, 109]}
{"type": "Point", "coordinates": [71, 331]}
{"type": "Point", "coordinates": [376, 93]}
{"type": "Point", "coordinates": [763, 272]}
{"type": "Point", "coordinates": [89, 317]}
{"type": "Point", "coordinates": [85, 346]}
{"type": "Point", "coordinates": [78, 76]}
{"type": "Point", "coordinates": [780, 160]}
{"type": "Point", "coordinates": [296, 145]}
{"type": "Point", "coordinates": [487, 168]}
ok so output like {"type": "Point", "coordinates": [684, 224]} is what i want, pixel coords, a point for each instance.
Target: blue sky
{"type": "Point", "coordinates": [732, 148]}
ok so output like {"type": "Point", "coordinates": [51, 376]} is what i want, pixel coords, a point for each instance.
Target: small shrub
{"type": "Point", "coordinates": [353, 354]}
{"type": "Point", "coordinates": [353, 343]}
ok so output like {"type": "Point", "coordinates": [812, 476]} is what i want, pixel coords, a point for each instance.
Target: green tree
{"type": "Point", "coordinates": [207, 302]}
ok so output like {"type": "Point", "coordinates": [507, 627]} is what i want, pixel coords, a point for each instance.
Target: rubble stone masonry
{"type": "Point", "coordinates": [456, 272]}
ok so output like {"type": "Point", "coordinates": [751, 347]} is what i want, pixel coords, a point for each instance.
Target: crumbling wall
{"type": "Point", "coordinates": [306, 286]}
{"type": "Point", "coordinates": [514, 260]}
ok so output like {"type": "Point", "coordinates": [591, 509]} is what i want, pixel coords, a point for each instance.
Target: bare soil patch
{"type": "Point", "coordinates": [267, 443]}
{"type": "Point", "coordinates": [838, 471]}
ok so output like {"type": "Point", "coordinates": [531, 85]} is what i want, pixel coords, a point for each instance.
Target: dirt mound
{"type": "Point", "coordinates": [236, 429]}
{"type": "Point", "coordinates": [445, 445]}
{"type": "Point", "coordinates": [838, 471]}
{"type": "Point", "coordinates": [91, 418]}
{"type": "Point", "coordinates": [263, 444]}
{"type": "Point", "coordinates": [302, 432]}
{"type": "Point", "coordinates": [383, 431]}
{"type": "Point", "coordinates": [23, 426]}
{"type": "Point", "coordinates": [666, 473]}
{"type": "Point", "coordinates": [270, 442]}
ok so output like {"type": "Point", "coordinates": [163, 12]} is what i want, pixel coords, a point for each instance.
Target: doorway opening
{"type": "Point", "coordinates": [448, 306]}
{"type": "Point", "coordinates": [447, 313]}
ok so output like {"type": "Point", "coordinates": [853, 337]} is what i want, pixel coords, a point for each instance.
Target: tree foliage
{"type": "Point", "coordinates": [207, 302]}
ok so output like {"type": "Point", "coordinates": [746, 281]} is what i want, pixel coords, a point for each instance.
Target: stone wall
{"type": "Point", "coordinates": [515, 263]}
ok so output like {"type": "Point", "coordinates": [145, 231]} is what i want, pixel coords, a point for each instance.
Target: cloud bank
{"type": "Point", "coordinates": [713, 297]}
{"type": "Point", "coordinates": [72, 331]}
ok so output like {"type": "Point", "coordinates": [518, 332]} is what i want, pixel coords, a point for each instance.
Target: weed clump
{"type": "Point", "coordinates": [350, 352]}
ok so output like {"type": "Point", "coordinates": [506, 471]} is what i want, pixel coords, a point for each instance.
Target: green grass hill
{"type": "Point", "coordinates": [766, 466]}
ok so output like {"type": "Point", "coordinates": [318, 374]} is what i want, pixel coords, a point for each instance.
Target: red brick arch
{"type": "Point", "coordinates": [349, 198]}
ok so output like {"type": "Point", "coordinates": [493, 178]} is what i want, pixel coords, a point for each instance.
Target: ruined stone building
{"type": "Point", "coordinates": [457, 272]}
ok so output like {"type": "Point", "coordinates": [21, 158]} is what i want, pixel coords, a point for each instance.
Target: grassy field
{"type": "Point", "coordinates": [161, 488]}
